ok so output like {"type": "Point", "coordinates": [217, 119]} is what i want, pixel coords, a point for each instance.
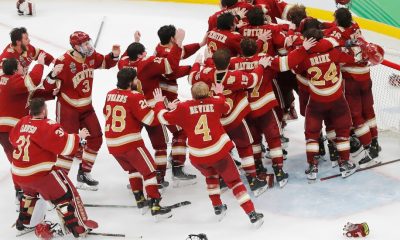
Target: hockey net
{"type": "Point", "coordinates": [386, 90]}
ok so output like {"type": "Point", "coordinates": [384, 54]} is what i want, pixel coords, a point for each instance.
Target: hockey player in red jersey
{"type": "Point", "coordinates": [327, 102]}
{"type": "Point", "coordinates": [236, 84]}
{"type": "Point", "coordinates": [37, 141]}
{"type": "Point", "coordinates": [150, 71]}
{"type": "Point", "coordinates": [21, 49]}
{"type": "Point", "coordinates": [358, 90]}
{"type": "Point", "coordinates": [208, 144]}
{"type": "Point", "coordinates": [169, 87]}
{"type": "Point", "coordinates": [237, 8]}
{"type": "Point", "coordinates": [262, 98]}
{"type": "Point", "coordinates": [126, 111]}
{"type": "Point", "coordinates": [74, 102]}
{"type": "Point", "coordinates": [257, 27]}
{"type": "Point", "coordinates": [274, 9]}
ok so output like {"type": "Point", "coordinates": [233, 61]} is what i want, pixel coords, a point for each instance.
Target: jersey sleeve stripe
{"type": "Point", "coordinates": [69, 146]}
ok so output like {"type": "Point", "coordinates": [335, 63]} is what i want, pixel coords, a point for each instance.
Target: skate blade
{"type": "Point", "coordinates": [144, 210]}
{"type": "Point", "coordinates": [283, 183]}
{"type": "Point", "coordinates": [258, 224]}
{"type": "Point", "coordinates": [260, 191]}
{"type": "Point", "coordinates": [85, 187]}
{"type": "Point", "coordinates": [221, 216]}
{"type": "Point", "coordinates": [177, 183]}
{"type": "Point", "coordinates": [348, 173]}
{"type": "Point", "coordinates": [25, 231]}
{"type": "Point", "coordinates": [159, 218]}
{"type": "Point", "coordinates": [371, 163]}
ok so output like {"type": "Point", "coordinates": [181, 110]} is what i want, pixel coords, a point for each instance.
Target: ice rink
{"type": "Point", "coordinates": [300, 211]}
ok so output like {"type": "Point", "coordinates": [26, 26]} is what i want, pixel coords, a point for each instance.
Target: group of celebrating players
{"type": "Point", "coordinates": [242, 90]}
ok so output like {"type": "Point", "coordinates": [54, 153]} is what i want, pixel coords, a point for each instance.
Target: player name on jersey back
{"type": "Point", "coordinates": [202, 108]}
{"type": "Point", "coordinates": [217, 36]}
{"type": "Point", "coordinates": [117, 98]}
{"type": "Point", "coordinates": [320, 59]}
{"type": "Point", "coordinates": [28, 129]}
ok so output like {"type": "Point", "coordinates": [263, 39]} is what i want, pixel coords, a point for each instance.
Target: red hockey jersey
{"type": "Point", "coordinates": [277, 40]}
{"type": "Point", "coordinates": [15, 91]}
{"type": "Point", "coordinates": [169, 85]}
{"type": "Point", "coordinates": [224, 39]}
{"type": "Point", "coordinates": [125, 112]}
{"type": "Point", "coordinates": [25, 58]}
{"type": "Point", "coordinates": [359, 71]}
{"type": "Point", "coordinates": [37, 142]}
{"type": "Point", "coordinates": [200, 119]}
{"type": "Point", "coordinates": [274, 9]}
{"type": "Point", "coordinates": [236, 83]}
{"type": "Point", "coordinates": [262, 97]}
{"type": "Point", "coordinates": [150, 70]}
{"type": "Point", "coordinates": [323, 72]}
{"type": "Point", "coordinates": [239, 9]}
{"type": "Point", "coordinates": [76, 78]}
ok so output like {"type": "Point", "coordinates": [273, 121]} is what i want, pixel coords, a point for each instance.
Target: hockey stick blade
{"type": "Point", "coordinates": [110, 235]}
{"type": "Point", "coordinates": [361, 169]}
{"type": "Point", "coordinates": [176, 205]}
{"type": "Point", "coordinates": [180, 204]}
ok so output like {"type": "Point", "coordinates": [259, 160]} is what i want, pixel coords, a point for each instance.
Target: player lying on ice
{"type": "Point", "coordinates": [208, 143]}
{"type": "Point", "coordinates": [37, 141]}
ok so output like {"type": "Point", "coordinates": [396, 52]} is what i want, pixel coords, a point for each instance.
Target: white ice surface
{"type": "Point", "coordinates": [299, 211]}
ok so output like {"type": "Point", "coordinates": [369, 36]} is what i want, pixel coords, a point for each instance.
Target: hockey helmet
{"type": "Point", "coordinates": [78, 37]}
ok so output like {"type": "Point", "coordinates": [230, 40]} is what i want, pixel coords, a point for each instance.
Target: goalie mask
{"type": "Point", "coordinates": [82, 43]}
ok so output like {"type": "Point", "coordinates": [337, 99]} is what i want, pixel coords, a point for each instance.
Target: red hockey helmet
{"type": "Point", "coordinates": [375, 54]}
{"type": "Point", "coordinates": [343, 2]}
{"type": "Point", "coordinates": [43, 231]}
{"type": "Point", "coordinates": [78, 37]}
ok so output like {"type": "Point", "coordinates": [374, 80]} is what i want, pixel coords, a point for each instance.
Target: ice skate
{"type": "Point", "coordinates": [22, 229]}
{"type": "Point", "coordinates": [256, 219]}
{"type": "Point", "coordinates": [333, 154]}
{"type": "Point", "coordinates": [312, 172]}
{"type": "Point", "coordinates": [86, 182]}
{"type": "Point", "coordinates": [141, 202]}
{"type": "Point", "coordinates": [257, 186]}
{"type": "Point", "coordinates": [347, 169]}
{"type": "Point", "coordinates": [367, 160]}
{"type": "Point", "coordinates": [355, 146]}
{"type": "Point", "coordinates": [159, 212]}
{"type": "Point", "coordinates": [180, 178]}
{"type": "Point", "coordinates": [375, 146]}
{"type": "Point", "coordinates": [220, 211]}
{"type": "Point", "coordinates": [281, 176]}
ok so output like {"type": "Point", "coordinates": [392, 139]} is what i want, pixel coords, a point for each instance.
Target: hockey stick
{"type": "Point", "coordinates": [99, 32]}
{"type": "Point", "coordinates": [361, 169]}
{"type": "Point", "coordinates": [112, 235]}
{"type": "Point", "coordinates": [176, 205]}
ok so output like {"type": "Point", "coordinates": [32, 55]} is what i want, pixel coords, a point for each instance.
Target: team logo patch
{"type": "Point", "coordinates": [91, 63]}
{"type": "Point", "coordinates": [72, 66]}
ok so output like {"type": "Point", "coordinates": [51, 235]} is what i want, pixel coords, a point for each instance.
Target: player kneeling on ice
{"type": "Point", "coordinates": [126, 112]}
{"type": "Point", "coordinates": [208, 143]}
{"type": "Point", "coordinates": [37, 141]}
